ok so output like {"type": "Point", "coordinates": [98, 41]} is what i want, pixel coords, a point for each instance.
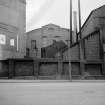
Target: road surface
{"type": "Point", "coordinates": [55, 93]}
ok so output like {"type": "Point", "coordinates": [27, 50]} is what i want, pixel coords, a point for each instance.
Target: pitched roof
{"type": "Point", "coordinates": [93, 11]}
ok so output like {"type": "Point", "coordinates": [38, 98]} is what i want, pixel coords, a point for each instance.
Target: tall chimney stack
{"type": "Point", "coordinates": [75, 27]}
{"type": "Point", "coordinates": [70, 22]}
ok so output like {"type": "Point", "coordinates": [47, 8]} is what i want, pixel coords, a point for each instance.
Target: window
{"type": "Point", "coordinates": [2, 39]}
{"type": "Point", "coordinates": [33, 44]}
{"type": "Point", "coordinates": [43, 52]}
{"type": "Point", "coordinates": [12, 42]}
{"type": "Point", "coordinates": [27, 52]}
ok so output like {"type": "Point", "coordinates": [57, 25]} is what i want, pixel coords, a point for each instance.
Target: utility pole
{"type": "Point", "coordinates": [82, 65]}
{"type": "Point", "coordinates": [69, 56]}
{"type": "Point", "coordinates": [79, 11]}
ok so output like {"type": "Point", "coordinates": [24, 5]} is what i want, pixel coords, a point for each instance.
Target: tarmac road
{"type": "Point", "coordinates": [54, 93]}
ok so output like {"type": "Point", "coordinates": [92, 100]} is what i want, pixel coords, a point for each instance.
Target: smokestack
{"type": "Point", "coordinates": [70, 22]}
{"type": "Point", "coordinates": [75, 26]}
{"type": "Point", "coordinates": [79, 11]}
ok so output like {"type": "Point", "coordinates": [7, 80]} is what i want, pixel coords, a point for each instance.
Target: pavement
{"type": "Point", "coordinates": [48, 81]}
{"type": "Point", "coordinates": [52, 92]}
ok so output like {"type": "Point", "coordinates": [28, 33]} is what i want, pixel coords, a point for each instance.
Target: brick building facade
{"type": "Point", "coordinates": [12, 29]}
{"type": "Point", "coordinates": [94, 23]}
{"type": "Point", "coordinates": [91, 47]}
{"type": "Point", "coordinates": [43, 37]}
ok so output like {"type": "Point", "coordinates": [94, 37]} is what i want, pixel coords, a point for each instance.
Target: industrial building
{"type": "Point", "coordinates": [43, 37]}
{"type": "Point", "coordinates": [86, 56]}
{"type": "Point", "coordinates": [90, 50]}
{"type": "Point", "coordinates": [12, 29]}
{"type": "Point", "coordinates": [12, 32]}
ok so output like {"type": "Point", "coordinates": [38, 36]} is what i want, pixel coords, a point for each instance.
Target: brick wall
{"type": "Point", "coordinates": [44, 37]}
{"type": "Point", "coordinates": [74, 53]}
{"type": "Point", "coordinates": [93, 69]}
{"type": "Point", "coordinates": [3, 69]}
{"type": "Point", "coordinates": [23, 68]}
{"type": "Point", "coordinates": [92, 53]}
{"type": "Point", "coordinates": [47, 69]}
{"type": "Point", "coordinates": [34, 35]}
{"type": "Point", "coordinates": [75, 69]}
{"type": "Point", "coordinates": [92, 47]}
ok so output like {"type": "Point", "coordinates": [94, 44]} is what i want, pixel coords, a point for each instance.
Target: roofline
{"type": "Point", "coordinates": [90, 15]}
{"type": "Point", "coordinates": [23, 1]}
{"type": "Point", "coordinates": [51, 24]}
{"type": "Point", "coordinates": [65, 29]}
{"type": "Point", "coordinates": [47, 25]}
{"type": "Point", "coordinates": [33, 30]}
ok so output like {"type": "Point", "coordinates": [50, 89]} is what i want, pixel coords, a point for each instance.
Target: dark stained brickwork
{"type": "Point", "coordinates": [24, 69]}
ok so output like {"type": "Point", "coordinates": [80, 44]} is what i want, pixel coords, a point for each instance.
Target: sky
{"type": "Point", "coordinates": [43, 12]}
